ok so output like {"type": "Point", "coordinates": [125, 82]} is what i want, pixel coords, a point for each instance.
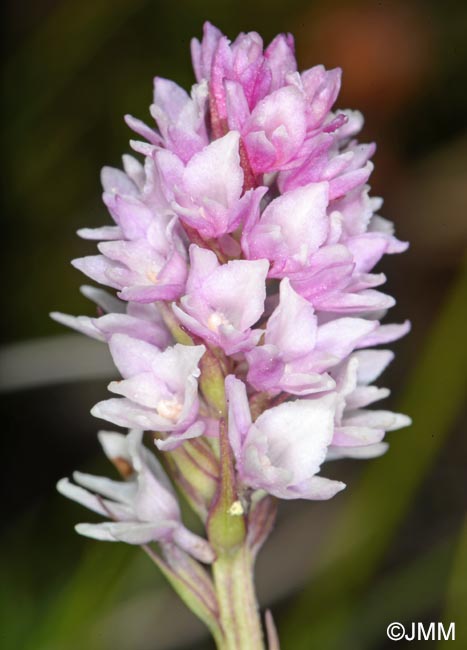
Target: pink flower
{"type": "Point", "coordinates": [141, 321]}
{"type": "Point", "coordinates": [143, 509]}
{"type": "Point", "coordinates": [282, 451]}
{"type": "Point", "coordinates": [223, 302]}
{"type": "Point", "coordinates": [159, 389]}
{"type": "Point", "coordinates": [359, 431]}
{"type": "Point", "coordinates": [243, 62]}
{"type": "Point", "coordinates": [297, 353]}
{"type": "Point", "coordinates": [275, 131]}
{"type": "Point", "coordinates": [207, 191]}
{"type": "Point", "coordinates": [289, 243]}
{"type": "Point", "coordinates": [144, 257]}
{"type": "Point", "coordinates": [181, 119]}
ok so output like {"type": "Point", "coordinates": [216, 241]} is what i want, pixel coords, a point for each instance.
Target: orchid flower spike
{"type": "Point", "coordinates": [244, 315]}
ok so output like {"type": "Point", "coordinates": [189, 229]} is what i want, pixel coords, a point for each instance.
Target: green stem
{"type": "Point", "coordinates": [240, 620]}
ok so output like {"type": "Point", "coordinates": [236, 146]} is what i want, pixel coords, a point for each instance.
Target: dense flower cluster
{"type": "Point", "coordinates": [246, 238]}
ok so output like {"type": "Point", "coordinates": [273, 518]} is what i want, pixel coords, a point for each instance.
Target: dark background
{"type": "Point", "coordinates": [394, 546]}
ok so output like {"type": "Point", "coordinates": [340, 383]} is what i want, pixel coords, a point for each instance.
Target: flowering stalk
{"type": "Point", "coordinates": [245, 320]}
{"type": "Point", "coordinates": [233, 578]}
{"type": "Point", "coordinates": [233, 567]}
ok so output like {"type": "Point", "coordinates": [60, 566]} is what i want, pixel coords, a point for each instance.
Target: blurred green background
{"type": "Point", "coordinates": [394, 545]}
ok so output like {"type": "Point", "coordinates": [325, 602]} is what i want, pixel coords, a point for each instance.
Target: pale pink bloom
{"type": "Point", "coordinates": [207, 192]}
{"type": "Point", "coordinates": [223, 301]}
{"type": "Point", "coordinates": [359, 431]}
{"type": "Point", "coordinates": [142, 509]}
{"type": "Point", "coordinates": [282, 451]}
{"type": "Point", "coordinates": [297, 353]}
{"type": "Point", "coordinates": [159, 389]}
